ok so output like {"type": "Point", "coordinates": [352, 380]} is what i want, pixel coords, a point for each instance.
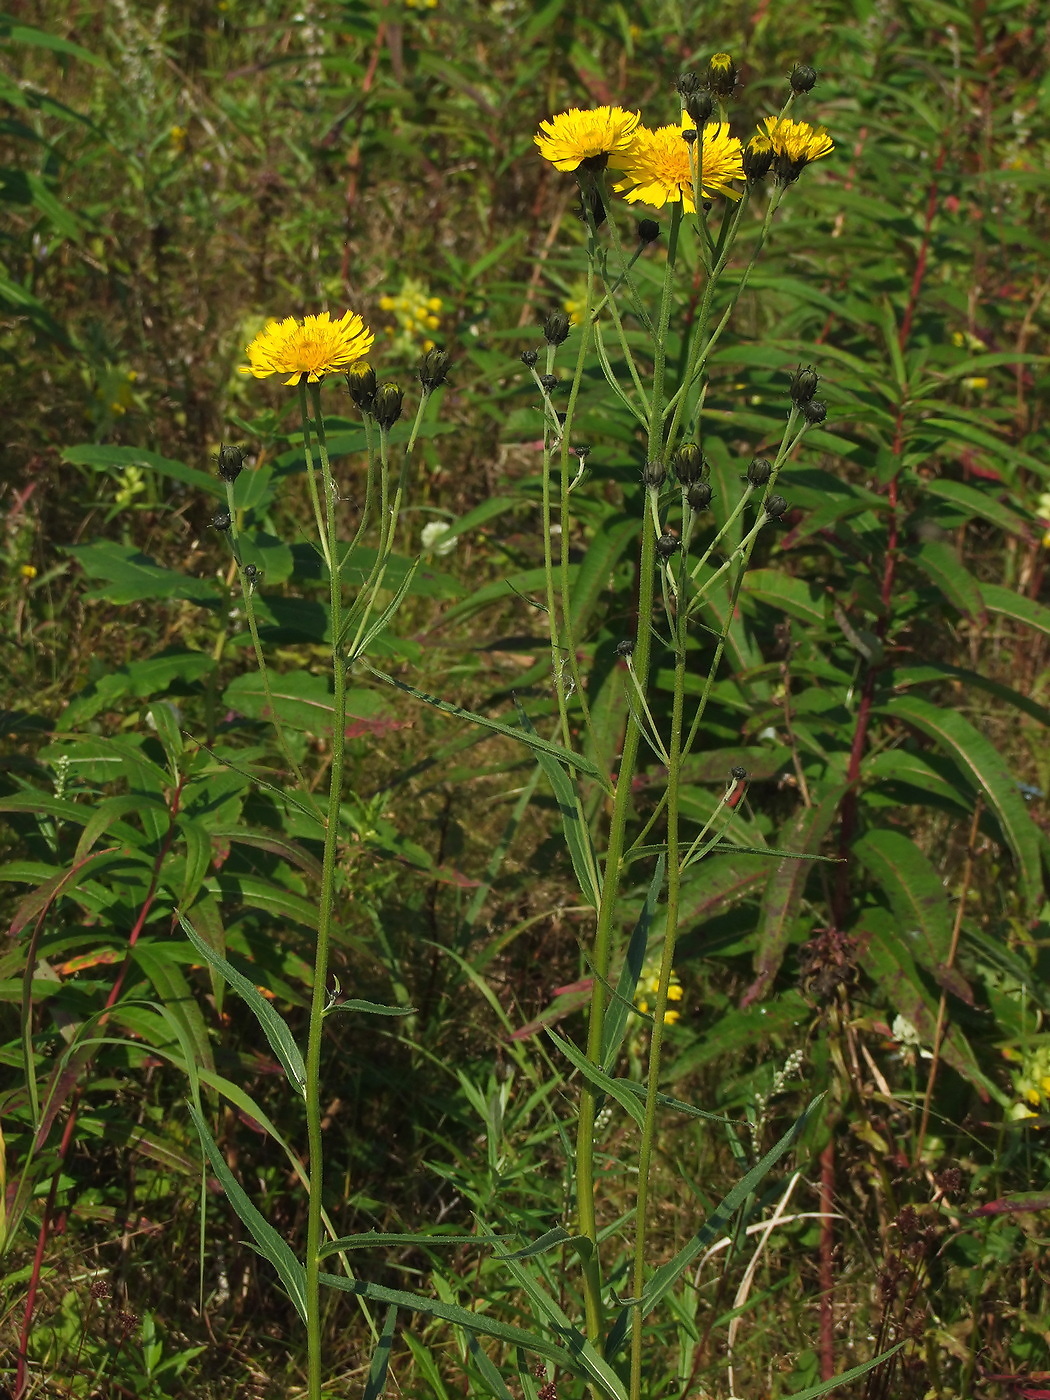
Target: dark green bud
{"type": "Point", "coordinates": [648, 230]}
{"type": "Point", "coordinates": [687, 84]}
{"type": "Point", "coordinates": [739, 774]}
{"type": "Point", "coordinates": [775, 507]}
{"type": "Point", "coordinates": [361, 386]}
{"type": "Point", "coordinates": [759, 472]}
{"type": "Point", "coordinates": [690, 136]}
{"type": "Point", "coordinates": [625, 648]}
{"type": "Point", "coordinates": [387, 408]}
{"type": "Point", "coordinates": [722, 74]}
{"type": "Point", "coordinates": [231, 462]}
{"type": "Point", "coordinates": [689, 464]}
{"type": "Point", "coordinates": [582, 452]}
{"type": "Point", "coordinates": [433, 370]}
{"type": "Point", "coordinates": [699, 496]}
{"type": "Point", "coordinates": [252, 574]}
{"type": "Point", "coordinates": [556, 328]}
{"type": "Point", "coordinates": [654, 473]}
{"type": "Point", "coordinates": [804, 385]}
{"type": "Point", "coordinates": [802, 78]}
{"type": "Point", "coordinates": [549, 382]}
{"type": "Point", "coordinates": [221, 521]}
{"type": "Point", "coordinates": [815, 411]}
{"type": "Point", "coordinates": [699, 107]}
{"type": "Point", "coordinates": [529, 358]}
{"type": "Point", "coordinates": [667, 545]}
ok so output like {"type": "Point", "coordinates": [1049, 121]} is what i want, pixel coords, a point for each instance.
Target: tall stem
{"type": "Point", "coordinates": [324, 923]}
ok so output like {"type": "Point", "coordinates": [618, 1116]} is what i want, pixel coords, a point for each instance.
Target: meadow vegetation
{"type": "Point", "coordinates": [582, 789]}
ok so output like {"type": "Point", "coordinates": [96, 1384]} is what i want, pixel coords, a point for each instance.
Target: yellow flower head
{"type": "Point", "coordinates": [315, 346]}
{"type": "Point", "coordinates": [795, 145]}
{"type": "Point", "coordinates": [659, 165]}
{"type": "Point", "coordinates": [576, 138]}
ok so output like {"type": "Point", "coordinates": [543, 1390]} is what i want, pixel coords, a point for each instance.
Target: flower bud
{"type": "Point", "coordinates": [252, 574]}
{"type": "Point", "coordinates": [361, 386]}
{"type": "Point", "coordinates": [654, 473]}
{"type": "Point", "coordinates": [433, 370]}
{"type": "Point", "coordinates": [756, 158]}
{"type": "Point", "coordinates": [722, 74]}
{"type": "Point", "coordinates": [802, 78]}
{"type": "Point", "coordinates": [699, 496]}
{"type": "Point", "coordinates": [555, 327]}
{"type": "Point", "coordinates": [667, 545]}
{"type": "Point", "coordinates": [529, 358]}
{"type": "Point", "coordinates": [690, 136]}
{"type": "Point", "coordinates": [689, 464]}
{"type": "Point", "coordinates": [582, 452]}
{"type": "Point", "coordinates": [804, 385]}
{"type": "Point", "coordinates": [699, 106]}
{"type": "Point", "coordinates": [231, 462]}
{"type": "Point", "coordinates": [759, 472]}
{"type": "Point", "coordinates": [739, 774]}
{"type": "Point", "coordinates": [775, 507]}
{"type": "Point", "coordinates": [222, 521]}
{"type": "Point", "coordinates": [648, 231]}
{"type": "Point", "coordinates": [549, 382]}
{"type": "Point", "coordinates": [815, 411]}
{"type": "Point", "coordinates": [388, 401]}
{"type": "Point", "coordinates": [687, 84]}
{"type": "Point", "coordinates": [625, 648]}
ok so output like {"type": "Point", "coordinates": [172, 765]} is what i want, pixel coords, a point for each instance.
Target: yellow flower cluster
{"type": "Point", "coordinates": [1031, 1080]}
{"type": "Point", "coordinates": [672, 164]}
{"type": "Point", "coordinates": [648, 987]}
{"type": "Point", "coordinates": [415, 311]}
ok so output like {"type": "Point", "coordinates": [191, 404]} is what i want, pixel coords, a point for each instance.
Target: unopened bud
{"type": "Point", "coordinates": [625, 648]}
{"type": "Point", "coordinates": [699, 106]}
{"type": "Point", "coordinates": [739, 774]}
{"type": "Point", "coordinates": [815, 411]}
{"type": "Point", "coordinates": [648, 231]}
{"type": "Point", "coordinates": [555, 327]}
{"type": "Point", "coordinates": [759, 472]}
{"type": "Point", "coordinates": [804, 385]}
{"type": "Point", "coordinates": [231, 462]}
{"type": "Point", "coordinates": [756, 158]}
{"type": "Point", "coordinates": [690, 136]}
{"type": "Point", "coordinates": [689, 464]}
{"type": "Point", "coordinates": [667, 545]}
{"type": "Point", "coordinates": [549, 382]}
{"type": "Point", "coordinates": [387, 408]}
{"type": "Point", "coordinates": [802, 78]}
{"type": "Point", "coordinates": [654, 473]}
{"type": "Point", "coordinates": [699, 496]}
{"type": "Point", "coordinates": [529, 358]}
{"type": "Point", "coordinates": [221, 521]}
{"type": "Point", "coordinates": [775, 507]}
{"type": "Point", "coordinates": [252, 574]}
{"type": "Point", "coordinates": [722, 74]}
{"type": "Point", "coordinates": [582, 452]}
{"type": "Point", "coordinates": [433, 370]}
{"type": "Point", "coordinates": [361, 386]}
{"type": "Point", "coordinates": [687, 84]}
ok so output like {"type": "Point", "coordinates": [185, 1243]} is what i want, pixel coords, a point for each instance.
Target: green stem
{"type": "Point", "coordinates": [324, 930]}
{"type": "Point", "coordinates": [311, 477]}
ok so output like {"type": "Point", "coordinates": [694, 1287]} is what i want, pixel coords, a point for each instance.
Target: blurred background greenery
{"type": "Point", "coordinates": [173, 174]}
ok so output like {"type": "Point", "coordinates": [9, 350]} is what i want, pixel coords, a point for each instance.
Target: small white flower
{"type": "Point", "coordinates": [432, 537]}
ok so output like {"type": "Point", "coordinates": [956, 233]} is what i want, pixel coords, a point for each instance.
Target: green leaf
{"type": "Point", "coordinates": [302, 700]}
{"type": "Point", "coordinates": [979, 503]}
{"type": "Point", "coordinates": [786, 593]}
{"type": "Point", "coordinates": [271, 1245]}
{"type": "Point", "coordinates": [955, 735]}
{"type": "Point", "coordinates": [1018, 606]}
{"type": "Point", "coordinates": [940, 563]}
{"type": "Point", "coordinates": [132, 577]}
{"type": "Point", "coordinates": [822, 1388]}
{"type": "Point", "coordinates": [912, 886]}
{"type": "Point", "coordinates": [140, 679]}
{"type": "Point", "coordinates": [274, 1027]}
{"type": "Point", "coordinates": [597, 1077]}
{"type": "Point", "coordinates": [377, 1367]}
{"type": "Point", "coordinates": [574, 823]}
{"type": "Point", "coordinates": [102, 455]}
{"type": "Point", "coordinates": [619, 1012]}
{"type": "Point", "coordinates": [521, 736]}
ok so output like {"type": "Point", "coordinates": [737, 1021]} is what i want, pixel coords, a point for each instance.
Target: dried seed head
{"type": "Point", "coordinates": [388, 402]}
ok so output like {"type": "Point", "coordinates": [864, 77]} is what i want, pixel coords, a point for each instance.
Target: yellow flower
{"type": "Point", "coordinates": [315, 347]}
{"type": "Point", "coordinates": [976, 381]}
{"type": "Point", "coordinates": [795, 144]}
{"type": "Point", "coordinates": [576, 137]}
{"type": "Point", "coordinates": [28, 572]}
{"type": "Point", "coordinates": [658, 166]}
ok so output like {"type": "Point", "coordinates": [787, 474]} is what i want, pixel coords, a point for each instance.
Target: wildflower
{"type": "Point", "coordinates": [658, 168]}
{"type": "Point", "coordinates": [795, 144]}
{"type": "Point", "coordinates": [577, 137]}
{"type": "Point", "coordinates": [313, 347]}
{"type": "Point", "coordinates": [361, 386]}
{"type": "Point", "coordinates": [975, 381]}
{"type": "Point", "coordinates": [28, 572]}
{"type": "Point", "coordinates": [722, 74]}
{"type": "Point", "coordinates": [432, 538]}
{"type": "Point", "coordinates": [648, 987]}
{"type": "Point", "coordinates": [177, 136]}
{"type": "Point", "coordinates": [757, 158]}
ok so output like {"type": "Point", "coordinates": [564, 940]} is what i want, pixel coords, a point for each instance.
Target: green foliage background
{"type": "Point", "coordinates": [173, 175]}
